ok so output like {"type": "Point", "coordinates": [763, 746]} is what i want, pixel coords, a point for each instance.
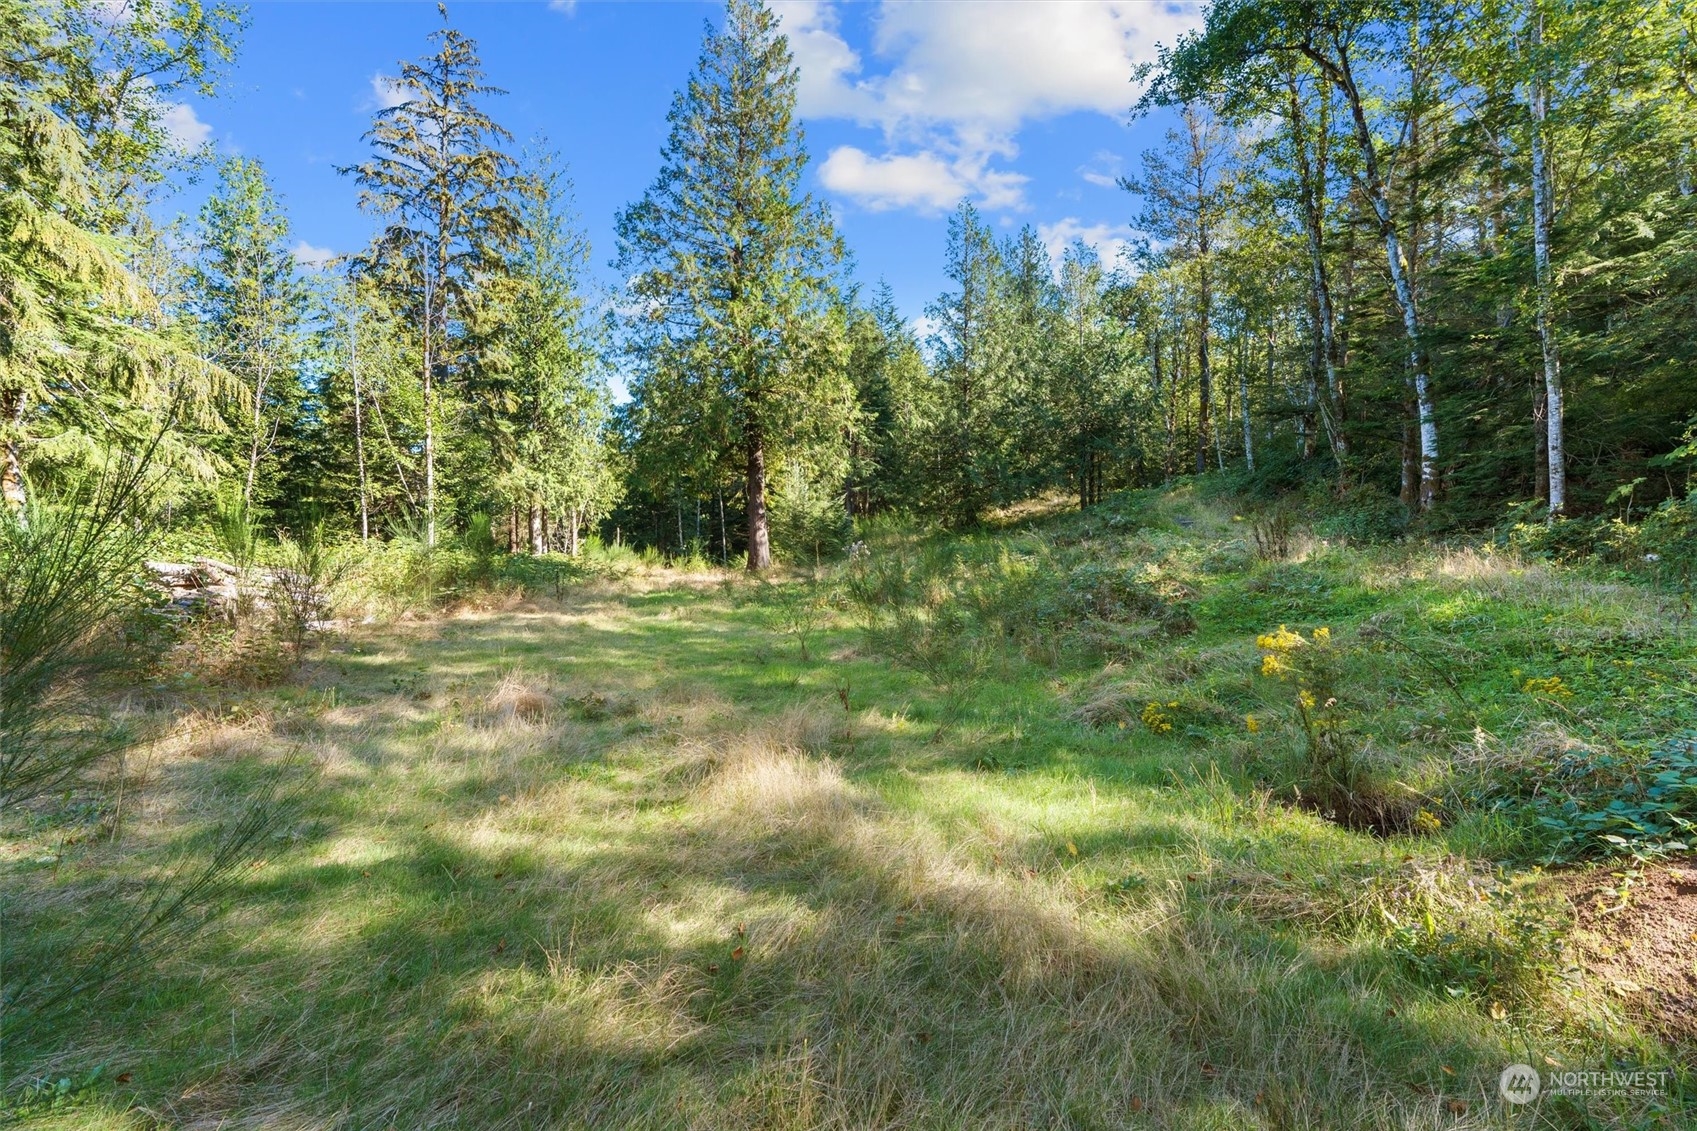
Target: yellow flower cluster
{"type": "Point", "coordinates": [1276, 647]}
{"type": "Point", "coordinates": [1252, 724]}
{"type": "Point", "coordinates": [1156, 718]}
{"type": "Point", "coordinates": [1552, 686]}
{"type": "Point", "coordinates": [1284, 640]}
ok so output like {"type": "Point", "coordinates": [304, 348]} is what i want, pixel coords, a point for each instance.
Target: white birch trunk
{"type": "Point", "coordinates": [1541, 221]}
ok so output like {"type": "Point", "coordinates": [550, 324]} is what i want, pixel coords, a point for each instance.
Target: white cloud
{"type": "Point", "coordinates": [956, 81]}
{"type": "Point", "coordinates": [924, 181]}
{"type": "Point", "coordinates": [1110, 241]}
{"type": "Point", "coordinates": [312, 258]}
{"type": "Point", "coordinates": [569, 7]}
{"type": "Point", "coordinates": [184, 126]}
{"type": "Point", "coordinates": [1103, 170]}
{"type": "Point", "coordinates": [388, 92]}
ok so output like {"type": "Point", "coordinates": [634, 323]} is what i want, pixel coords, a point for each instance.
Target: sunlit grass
{"type": "Point", "coordinates": [627, 861]}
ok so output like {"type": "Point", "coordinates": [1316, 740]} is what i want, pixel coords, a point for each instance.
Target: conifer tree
{"type": "Point", "coordinates": [442, 185]}
{"type": "Point", "coordinates": [251, 304]}
{"type": "Point", "coordinates": [974, 357]}
{"type": "Point", "coordinates": [560, 462]}
{"type": "Point", "coordinates": [88, 356]}
{"type": "Point", "coordinates": [731, 268]}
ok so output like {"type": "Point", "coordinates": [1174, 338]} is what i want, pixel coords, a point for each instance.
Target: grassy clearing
{"type": "Point", "coordinates": [626, 859]}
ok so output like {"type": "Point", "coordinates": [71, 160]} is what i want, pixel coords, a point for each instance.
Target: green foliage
{"type": "Point", "coordinates": [250, 308]}
{"type": "Point", "coordinates": [810, 525]}
{"type": "Point", "coordinates": [796, 609]}
{"type": "Point", "coordinates": [1488, 941]}
{"type": "Point", "coordinates": [443, 187]}
{"type": "Point", "coordinates": [738, 345]}
{"type": "Point", "coordinates": [309, 576]}
{"type": "Point", "coordinates": [69, 573]}
{"type": "Point", "coordinates": [1589, 803]}
{"type": "Point", "coordinates": [1360, 515]}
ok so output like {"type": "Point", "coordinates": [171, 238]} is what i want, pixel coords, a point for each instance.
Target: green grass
{"type": "Point", "coordinates": [626, 860]}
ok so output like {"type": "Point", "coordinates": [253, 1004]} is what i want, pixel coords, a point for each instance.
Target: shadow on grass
{"type": "Point", "coordinates": [683, 917]}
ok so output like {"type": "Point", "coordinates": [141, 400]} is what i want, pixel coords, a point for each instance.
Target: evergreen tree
{"type": "Point", "coordinates": [88, 355]}
{"type": "Point", "coordinates": [968, 451]}
{"type": "Point", "coordinates": [731, 268]}
{"type": "Point", "coordinates": [888, 373]}
{"type": "Point", "coordinates": [251, 305]}
{"type": "Point", "coordinates": [560, 461]}
{"type": "Point", "coordinates": [442, 186]}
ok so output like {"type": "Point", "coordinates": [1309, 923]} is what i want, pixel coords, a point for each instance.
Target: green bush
{"type": "Point", "coordinates": [809, 523]}
{"type": "Point", "coordinates": [1361, 515]}
{"type": "Point", "coordinates": [1589, 803]}
{"type": "Point", "coordinates": [70, 573]}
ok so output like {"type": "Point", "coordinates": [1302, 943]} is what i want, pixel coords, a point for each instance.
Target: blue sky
{"type": "Point", "coordinates": [1021, 107]}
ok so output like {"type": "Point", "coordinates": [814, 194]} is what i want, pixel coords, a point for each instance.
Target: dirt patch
{"type": "Point", "coordinates": [1636, 934]}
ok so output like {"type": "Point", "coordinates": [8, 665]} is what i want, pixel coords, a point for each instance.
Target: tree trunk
{"type": "Point", "coordinates": [1155, 359]}
{"type": "Point", "coordinates": [429, 437]}
{"type": "Point", "coordinates": [13, 493]}
{"type": "Point", "coordinates": [534, 528]}
{"type": "Point", "coordinates": [724, 537]}
{"type": "Point", "coordinates": [1542, 214]}
{"type": "Point", "coordinates": [1311, 182]}
{"type": "Point", "coordinates": [359, 423]}
{"type": "Point", "coordinates": [759, 537]}
{"type": "Point", "coordinates": [1205, 369]}
{"type": "Point", "coordinates": [1540, 442]}
{"type": "Point", "coordinates": [1243, 400]}
{"type": "Point", "coordinates": [1373, 186]}
{"type": "Point", "coordinates": [1410, 492]}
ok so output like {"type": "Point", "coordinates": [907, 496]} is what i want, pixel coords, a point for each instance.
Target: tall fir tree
{"type": "Point", "coordinates": [251, 306]}
{"type": "Point", "coordinates": [560, 472]}
{"type": "Point", "coordinates": [443, 186]}
{"type": "Point", "coordinates": [974, 355]}
{"type": "Point", "coordinates": [731, 269]}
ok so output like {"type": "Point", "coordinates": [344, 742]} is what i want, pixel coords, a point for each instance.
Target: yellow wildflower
{"type": "Point", "coordinates": [1251, 724]}
{"type": "Point", "coordinates": [1552, 686]}
{"type": "Point", "coordinates": [1157, 720]}
{"type": "Point", "coordinates": [1284, 640]}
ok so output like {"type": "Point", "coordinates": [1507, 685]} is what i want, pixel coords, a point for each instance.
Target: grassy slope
{"type": "Point", "coordinates": [630, 862]}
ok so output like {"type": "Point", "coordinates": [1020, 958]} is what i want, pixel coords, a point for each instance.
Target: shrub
{"type": "Point", "coordinates": [1472, 936]}
{"type": "Point", "coordinates": [1589, 803]}
{"type": "Point", "coordinates": [1336, 778]}
{"type": "Point", "coordinates": [1273, 529]}
{"type": "Point", "coordinates": [797, 609]}
{"type": "Point", "coordinates": [69, 572]}
{"type": "Point", "coordinates": [809, 522]}
{"type": "Point", "coordinates": [1362, 515]}
{"type": "Point", "coordinates": [305, 583]}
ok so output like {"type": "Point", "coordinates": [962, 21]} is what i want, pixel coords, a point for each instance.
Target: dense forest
{"type": "Point", "coordinates": [1433, 257]}
{"type": "Point", "coordinates": [1245, 683]}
